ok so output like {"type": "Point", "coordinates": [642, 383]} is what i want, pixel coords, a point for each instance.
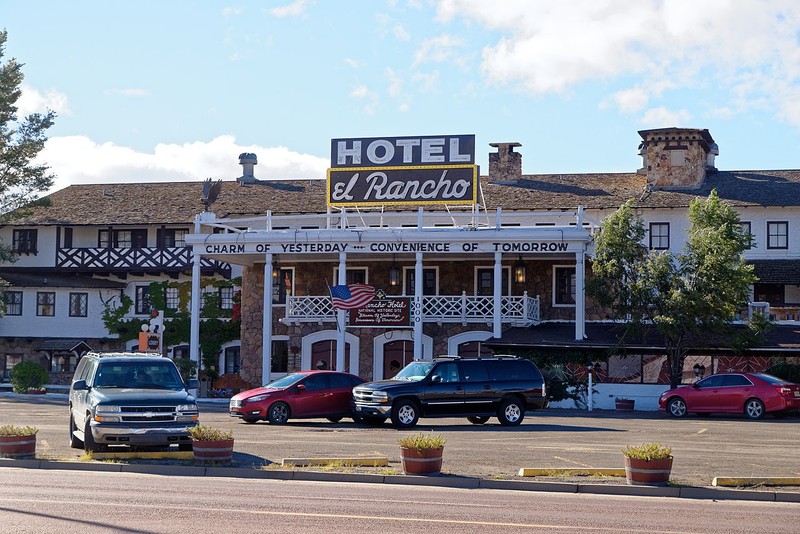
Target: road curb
{"type": "Point", "coordinates": [755, 481]}
{"type": "Point", "coordinates": [442, 480]}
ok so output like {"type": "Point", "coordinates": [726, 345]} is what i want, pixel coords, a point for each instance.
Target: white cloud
{"type": "Point", "coordinates": [79, 160]}
{"type": "Point", "coordinates": [33, 101]}
{"type": "Point", "coordinates": [352, 63]}
{"type": "Point", "coordinates": [295, 9]}
{"type": "Point", "coordinates": [662, 117]}
{"type": "Point", "coordinates": [654, 46]}
{"type": "Point", "coordinates": [232, 11]}
{"type": "Point", "coordinates": [437, 50]}
{"type": "Point", "coordinates": [130, 92]}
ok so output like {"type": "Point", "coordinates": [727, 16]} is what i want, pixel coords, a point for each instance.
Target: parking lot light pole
{"type": "Point", "coordinates": [589, 367]}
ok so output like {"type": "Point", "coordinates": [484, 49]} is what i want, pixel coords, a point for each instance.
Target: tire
{"type": "Point", "coordinates": [74, 442]}
{"type": "Point", "coordinates": [88, 441]}
{"type": "Point", "coordinates": [334, 419]}
{"type": "Point", "coordinates": [249, 420]}
{"type": "Point", "coordinates": [511, 412]}
{"type": "Point", "coordinates": [677, 407]}
{"type": "Point", "coordinates": [754, 409]}
{"type": "Point", "coordinates": [278, 413]}
{"type": "Point", "coordinates": [373, 421]}
{"type": "Point", "coordinates": [477, 420]}
{"type": "Point", "coordinates": [184, 447]}
{"type": "Point", "coordinates": [405, 414]}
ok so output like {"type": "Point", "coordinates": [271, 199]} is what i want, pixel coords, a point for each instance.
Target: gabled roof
{"type": "Point", "coordinates": [179, 202]}
{"type": "Point", "coordinates": [62, 345]}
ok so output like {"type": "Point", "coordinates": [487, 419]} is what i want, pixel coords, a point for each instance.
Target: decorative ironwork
{"type": "Point", "coordinates": [133, 258]}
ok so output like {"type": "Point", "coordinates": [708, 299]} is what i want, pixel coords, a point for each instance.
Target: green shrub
{"type": "Point", "coordinates": [206, 433]}
{"type": "Point", "coordinates": [187, 368]}
{"type": "Point", "coordinates": [787, 371]}
{"type": "Point", "coordinates": [28, 374]}
{"type": "Point", "coordinates": [648, 451]}
{"type": "Point", "coordinates": [14, 430]}
{"type": "Point", "coordinates": [422, 441]}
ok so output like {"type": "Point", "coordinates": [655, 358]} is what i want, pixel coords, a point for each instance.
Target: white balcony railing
{"type": "Point", "coordinates": [519, 311]}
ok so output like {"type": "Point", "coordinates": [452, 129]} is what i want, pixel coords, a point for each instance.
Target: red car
{"type": "Point", "coordinates": [301, 395]}
{"type": "Point", "coordinates": [752, 394]}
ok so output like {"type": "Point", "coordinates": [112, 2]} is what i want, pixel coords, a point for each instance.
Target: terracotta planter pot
{"type": "Point", "coordinates": [18, 446]}
{"type": "Point", "coordinates": [647, 472]}
{"type": "Point", "coordinates": [624, 405]}
{"type": "Point", "coordinates": [421, 461]}
{"type": "Point", "coordinates": [218, 452]}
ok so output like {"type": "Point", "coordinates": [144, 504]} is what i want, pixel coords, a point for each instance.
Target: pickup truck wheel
{"type": "Point", "coordinates": [477, 420]}
{"type": "Point", "coordinates": [88, 441]}
{"type": "Point", "coordinates": [278, 413]}
{"type": "Point", "coordinates": [74, 442]}
{"type": "Point", "coordinates": [405, 414]}
{"type": "Point", "coordinates": [510, 412]}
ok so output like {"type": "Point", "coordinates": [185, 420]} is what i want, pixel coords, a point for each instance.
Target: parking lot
{"type": "Point", "coordinates": [703, 448]}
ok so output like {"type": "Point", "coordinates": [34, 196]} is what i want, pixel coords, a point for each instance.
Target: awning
{"type": "Point", "coordinates": [777, 271]}
{"type": "Point", "coordinates": [62, 345]}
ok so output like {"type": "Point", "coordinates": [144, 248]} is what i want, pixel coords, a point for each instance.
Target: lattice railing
{"type": "Point", "coordinates": [132, 258]}
{"type": "Point", "coordinates": [520, 311]}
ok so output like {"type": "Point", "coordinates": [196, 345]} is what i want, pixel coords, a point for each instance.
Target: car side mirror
{"type": "Point", "coordinates": [300, 387]}
{"type": "Point", "coordinates": [80, 385]}
{"type": "Point", "coordinates": [437, 379]}
{"type": "Point", "coordinates": [192, 383]}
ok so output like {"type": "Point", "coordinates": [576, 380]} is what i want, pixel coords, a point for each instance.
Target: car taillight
{"type": "Point", "coordinates": [784, 391]}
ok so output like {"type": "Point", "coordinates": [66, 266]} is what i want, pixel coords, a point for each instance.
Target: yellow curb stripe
{"type": "Point", "coordinates": [178, 455]}
{"type": "Point", "coordinates": [376, 461]}
{"type": "Point", "coordinates": [752, 481]}
{"type": "Point", "coordinates": [556, 471]}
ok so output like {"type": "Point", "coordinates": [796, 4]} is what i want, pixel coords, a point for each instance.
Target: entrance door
{"type": "Point", "coordinates": [323, 356]}
{"type": "Point", "coordinates": [396, 355]}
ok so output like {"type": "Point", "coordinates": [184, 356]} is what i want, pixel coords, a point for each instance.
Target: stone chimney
{"type": "Point", "coordinates": [248, 161]}
{"type": "Point", "coordinates": [505, 165]}
{"type": "Point", "coordinates": [677, 158]}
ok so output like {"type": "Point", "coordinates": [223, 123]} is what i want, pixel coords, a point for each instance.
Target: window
{"type": "Point", "coordinates": [13, 300]}
{"type": "Point", "coordinates": [225, 298]}
{"type": "Point", "coordinates": [11, 361]}
{"type": "Point", "coordinates": [78, 304]}
{"type": "Point", "coordinates": [778, 234]}
{"type": "Point", "coordinates": [484, 281]}
{"type": "Point", "coordinates": [280, 356]}
{"type": "Point", "coordinates": [659, 236]}
{"type": "Point", "coordinates": [45, 304]}
{"type": "Point", "coordinates": [62, 363]}
{"type": "Point", "coordinates": [282, 284]}
{"type": "Point", "coordinates": [25, 241]}
{"type": "Point", "coordinates": [122, 238]}
{"type": "Point", "coordinates": [171, 237]}
{"type": "Point", "coordinates": [171, 300]}
{"type": "Point", "coordinates": [142, 300]}
{"type": "Point", "coordinates": [563, 286]}
{"type": "Point", "coordinates": [429, 279]}
{"type": "Point", "coordinates": [233, 361]}
{"type": "Point", "coordinates": [748, 231]}
{"type": "Point", "coordinates": [356, 275]}
{"type": "Point", "coordinates": [67, 238]}
{"type": "Point", "coordinates": [181, 351]}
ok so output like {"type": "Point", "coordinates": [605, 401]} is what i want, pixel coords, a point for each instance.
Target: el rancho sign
{"type": "Point", "coordinates": [403, 170]}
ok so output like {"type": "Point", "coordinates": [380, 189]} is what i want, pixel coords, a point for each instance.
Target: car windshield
{"type": "Point", "coordinates": [771, 379]}
{"type": "Point", "coordinates": [414, 371]}
{"type": "Point", "coordinates": [156, 374]}
{"type": "Point", "coordinates": [286, 381]}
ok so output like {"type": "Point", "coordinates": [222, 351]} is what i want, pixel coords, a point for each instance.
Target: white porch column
{"type": "Point", "coordinates": [419, 351]}
{"type": "Point", "coordinates": [266, 323]}
{"type": "Point", "coordinates": [341, 364]}
{"type": "Point", "coordinates": [194, 323]}
{"type": "Point", "coordinates": [497, 297]}
{"type": "Point", "coordinates": [580, 297]}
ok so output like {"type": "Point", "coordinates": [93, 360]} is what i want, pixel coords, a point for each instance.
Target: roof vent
{"type": "Point", "coordinates": [248, 161]}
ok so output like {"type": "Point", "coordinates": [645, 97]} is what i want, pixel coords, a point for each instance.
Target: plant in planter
{"type": "Point", "coordinates": [648, 464]}
{"type": "Point", "coordinates": [17, 441]}
{"type": "Point", "coordinates": [211, 445]}
{"type": "Point", "coordinates": [624, 404]}
{"type": "Point", "coordinates": [421, 454]}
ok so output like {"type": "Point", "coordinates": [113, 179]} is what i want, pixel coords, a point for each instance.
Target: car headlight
{"type": "Point", "coordinates": [257, 398]}
{"type": "Point", "coordinates": [187, 408]}
{"type": "Point", "coordinates": [380, 396]}
{"type": "Point", "coordinates": [107, 413]}
{"type": "Point", "coordinates": [187, 412]}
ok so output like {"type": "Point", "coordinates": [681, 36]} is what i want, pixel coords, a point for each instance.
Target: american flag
{"type": "Point", "coordinates": [351, 296]}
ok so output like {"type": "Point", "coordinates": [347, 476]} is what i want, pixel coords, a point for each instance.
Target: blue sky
{"type": "Point", "coordinates": [175, 90]}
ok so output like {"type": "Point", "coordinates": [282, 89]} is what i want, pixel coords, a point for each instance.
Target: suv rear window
{"type": "Point", "coordinates": [513, 370]}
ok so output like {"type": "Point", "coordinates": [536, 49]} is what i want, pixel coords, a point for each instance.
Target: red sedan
{"type": "Point", "coordinates": [752, 394]}
{"type": "Point", "coordinates": [301, 395]}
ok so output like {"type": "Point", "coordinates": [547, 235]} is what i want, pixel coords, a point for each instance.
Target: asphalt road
{"type": "Point", "coordinates": [64, 501]}
{"type": "Point", "coordinates": [703, 447]}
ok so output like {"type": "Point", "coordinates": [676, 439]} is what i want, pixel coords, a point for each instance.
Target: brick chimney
{"type": "Point", "coordinates": [677, 158]}
{"type": "Point", "coordinates": [505, 165]}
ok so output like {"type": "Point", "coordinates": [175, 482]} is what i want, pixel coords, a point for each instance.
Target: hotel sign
{"type": "Point", "coordinates": [393, 312]}
{"type": "Point", "coordinates": [403, 170]}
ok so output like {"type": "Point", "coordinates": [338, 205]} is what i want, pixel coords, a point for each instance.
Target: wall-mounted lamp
{"type": "Point", "coordinates": [394, 273]}
{"type": "Point", "coordinates": [519, 271]}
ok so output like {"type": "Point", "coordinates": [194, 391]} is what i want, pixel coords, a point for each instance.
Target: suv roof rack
{"type": "Point", "coordinates": [448, 357]}
{"type": "Point", "coordinates": [506, 357]}
{"type": "Point", "coordinates": [129, 353]}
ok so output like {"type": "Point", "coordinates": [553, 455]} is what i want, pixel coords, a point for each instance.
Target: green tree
{"type": "Point", "coordinates": [691, 297]}
{"type": "Point", "coordinates": [21, 140]}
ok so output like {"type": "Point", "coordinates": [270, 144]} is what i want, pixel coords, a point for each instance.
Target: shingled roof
{"type": "Point", "coordinates": [179, 202]}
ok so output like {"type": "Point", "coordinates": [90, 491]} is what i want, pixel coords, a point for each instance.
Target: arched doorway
{"type": "Point", "coordinates": [395, 347]}
{"type": "Point", "coordinates": [319, 351]}
{"type": "Point", "coordinates": [396, 355]}
{"type": "Point", "coordinates": [469, 344]}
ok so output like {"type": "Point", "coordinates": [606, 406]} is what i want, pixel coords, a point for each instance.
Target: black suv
{"type": "Point", "coordinates": [130, 398]}
{"type": "Point", "coordinates": [501, 386]}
